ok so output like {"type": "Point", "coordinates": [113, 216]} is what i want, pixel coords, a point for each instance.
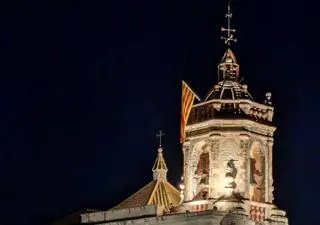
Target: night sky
{"type": "Point", "coordinates": [85, 86]}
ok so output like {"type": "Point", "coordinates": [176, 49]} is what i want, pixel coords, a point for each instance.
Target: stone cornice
{"type": "Point", "coordinates": [217, 125]}
{"type": "Point", "coordinates": [236, 101]}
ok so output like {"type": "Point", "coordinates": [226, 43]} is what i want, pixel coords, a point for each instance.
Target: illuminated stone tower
{"type": "Point", "coordinates": [229, 144]}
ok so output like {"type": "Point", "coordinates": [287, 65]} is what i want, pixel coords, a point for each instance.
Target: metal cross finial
{"type": "Point", "coordinates": [159, 135]}
{"type": "Point", "coordinates": [230, 32]}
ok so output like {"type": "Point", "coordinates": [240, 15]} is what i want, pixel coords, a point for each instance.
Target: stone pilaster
{"type": "Point", "coordinates": [244, 146]}
{"type": "Point", "coordinates": [214, 173]}
{"type": "Point", "coordinates": [269, 171]}
{"type": "Point", "coordinates": [186, 171]}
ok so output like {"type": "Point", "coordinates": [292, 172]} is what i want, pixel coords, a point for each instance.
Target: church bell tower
{"type": "Point", "coordinates": [228, 145]}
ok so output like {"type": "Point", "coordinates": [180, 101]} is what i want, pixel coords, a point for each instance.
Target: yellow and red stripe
{"type": "Point", "coordinates": [186, 105]}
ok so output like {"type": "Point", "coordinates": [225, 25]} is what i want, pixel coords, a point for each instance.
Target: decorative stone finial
{"type": "Point", "coordinates": [159, 168]}
{"type": "Point", "coordinates": [268, 98]}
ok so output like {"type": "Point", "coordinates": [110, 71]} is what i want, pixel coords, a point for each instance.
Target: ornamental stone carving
{"type": "Point", "coordinates": [229, 149]}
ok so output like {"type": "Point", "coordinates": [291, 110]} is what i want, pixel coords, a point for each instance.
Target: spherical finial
{"type": "Point", "coordinates": [160, 150]}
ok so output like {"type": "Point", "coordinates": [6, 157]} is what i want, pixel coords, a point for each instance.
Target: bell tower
{"type": "Point", "coordinates": [228, 145]}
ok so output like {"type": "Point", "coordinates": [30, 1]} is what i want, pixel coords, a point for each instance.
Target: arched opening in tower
{"type": "Point", "coordinates": [202, 177]}
{"type": "Point", "coordinates": [256, 173]}
{"type": "Point", "coordinates": [203, 168]}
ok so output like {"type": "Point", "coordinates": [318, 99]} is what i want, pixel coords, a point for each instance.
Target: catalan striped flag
{"type": "Point", "coordinates": [187, 99]}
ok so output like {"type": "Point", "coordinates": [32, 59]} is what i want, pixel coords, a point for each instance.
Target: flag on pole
{"type": "Point", "coordinates": [187, 99]}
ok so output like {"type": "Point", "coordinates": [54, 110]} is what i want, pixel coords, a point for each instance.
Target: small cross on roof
{"type": "Point", "coordinates": [159, 135]}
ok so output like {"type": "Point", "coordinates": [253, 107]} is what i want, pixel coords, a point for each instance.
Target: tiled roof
{"type": "Point", "coordinates": [157, 192]}
{"type": "Point", "coordinates": [165, 195]}
{"type": "Point", "coordinates": [140, 198]}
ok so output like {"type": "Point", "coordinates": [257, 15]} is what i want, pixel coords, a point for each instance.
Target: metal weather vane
{"type": "Point", "coordinates": [228, 33]}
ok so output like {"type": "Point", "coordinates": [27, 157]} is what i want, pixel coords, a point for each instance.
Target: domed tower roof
{"type": "Point", "coordinates": [229, 98]}
{"type": "Point", "coordinates": [228, 86]}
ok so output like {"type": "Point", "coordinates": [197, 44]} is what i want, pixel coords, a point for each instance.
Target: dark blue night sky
{"type": "Point", "coordinates": [85, 85]}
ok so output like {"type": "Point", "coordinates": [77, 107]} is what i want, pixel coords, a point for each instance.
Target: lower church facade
{"type": "Point", "coordinates": [154, 215]}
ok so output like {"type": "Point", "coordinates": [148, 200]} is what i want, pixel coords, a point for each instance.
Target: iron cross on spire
{"type": "Point", "coordinates": [159, 135]}
{"type": "Point", "coordinates": [229, 31]}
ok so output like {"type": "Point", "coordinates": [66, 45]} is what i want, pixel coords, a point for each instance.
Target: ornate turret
{"type": "Point", "coordinates": [159, 168]}
{"type": "Point", "coordinates": [229, 98]}
{"type": "Point", "coordinates": [229, 86]}
{"type": "Point", "coordinates": [158, 192]}
{"type": "Point", "coordinates": [228, 67]}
